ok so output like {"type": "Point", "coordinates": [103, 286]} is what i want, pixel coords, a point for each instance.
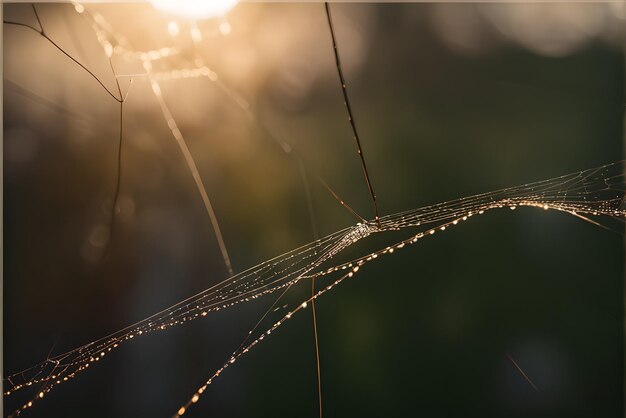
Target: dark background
{"type": "Point", "coordinates": [450, 101]}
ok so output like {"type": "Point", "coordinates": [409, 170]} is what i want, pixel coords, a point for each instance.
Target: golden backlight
{"type": "Point", "coordinates": [195, 9]}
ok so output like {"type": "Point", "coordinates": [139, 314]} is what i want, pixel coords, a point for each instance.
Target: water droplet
{"type": "Point", "coordinates": [195, 34]}
{"type": "Point", "coordinates": [108, 49]}
{"type": "Point", "coordinates": [225, 28]}
{"type": "Point", "coordinates": [172, 28]}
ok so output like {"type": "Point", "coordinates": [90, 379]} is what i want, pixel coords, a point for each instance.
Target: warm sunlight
{"type": "Point", "coordinates": [194, 9]}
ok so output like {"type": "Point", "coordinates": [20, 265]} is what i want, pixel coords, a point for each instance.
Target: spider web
{"type": "Point", "coordinates": [593, 195]}
{"type": "Point", "coordinates": [590, 194]}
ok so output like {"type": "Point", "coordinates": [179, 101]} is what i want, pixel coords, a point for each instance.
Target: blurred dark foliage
{"type": "Point", "coordinates": [424, 332]}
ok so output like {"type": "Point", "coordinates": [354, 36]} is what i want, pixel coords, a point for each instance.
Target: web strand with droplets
{"type": "Point", "coordinates": [590, 193]}
{"type": "Point", "coordinates": [597, 192]}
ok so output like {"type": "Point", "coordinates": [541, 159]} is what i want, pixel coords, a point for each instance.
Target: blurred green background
{"type": "Point", "coordinates": [450, 100]}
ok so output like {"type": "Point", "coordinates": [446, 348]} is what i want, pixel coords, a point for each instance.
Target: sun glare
{"type": "Point", "coordinates": [195, 9]}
